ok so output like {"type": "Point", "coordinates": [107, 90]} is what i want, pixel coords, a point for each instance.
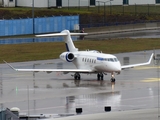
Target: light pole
{"type": "Point", "coordinates": [98, 5]}
{"type": "Point", "coordinates": [104, 2]}
{"type": "Point", "coordinates": [110, 7]}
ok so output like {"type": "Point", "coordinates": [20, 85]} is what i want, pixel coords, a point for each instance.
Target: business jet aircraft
{"type": "Point", "coordinates": [85, 61]}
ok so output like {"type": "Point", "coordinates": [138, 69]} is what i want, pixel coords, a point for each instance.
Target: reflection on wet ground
{"type": "Point", "coordinates": [57, 93]}
{"type": "Point", "coordinates": [132, 34]}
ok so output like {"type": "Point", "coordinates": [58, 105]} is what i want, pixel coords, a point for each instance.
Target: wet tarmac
{"type": "Point", "coordinates": [36, 93]}
{"type": "Point", "coordinates": [129, 34]}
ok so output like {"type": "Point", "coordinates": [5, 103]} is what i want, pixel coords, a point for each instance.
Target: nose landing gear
{"type": "Point", "coordinates": [112, 78]}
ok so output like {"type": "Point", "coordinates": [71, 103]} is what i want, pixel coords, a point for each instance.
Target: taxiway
{"type": "Point", "coordinates": [36, 93]}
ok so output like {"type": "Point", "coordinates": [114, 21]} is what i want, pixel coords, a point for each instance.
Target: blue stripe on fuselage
{"type": "Point", "coordinates": [67, 47]}
{"type": "Point", "coordinates": [99, 58]}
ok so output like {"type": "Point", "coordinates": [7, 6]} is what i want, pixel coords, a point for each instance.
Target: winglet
{"type": "Point", "coordinates": [152, 56]}
{"type": "Point", "coordinates": [9, 65]}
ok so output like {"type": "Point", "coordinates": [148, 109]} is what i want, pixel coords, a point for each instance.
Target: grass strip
{"type": "Point", "coordinates": [52, 50]}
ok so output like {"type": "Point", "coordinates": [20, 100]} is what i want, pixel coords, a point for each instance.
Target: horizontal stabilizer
{"type": "Point", "coordinates": [60, 34]}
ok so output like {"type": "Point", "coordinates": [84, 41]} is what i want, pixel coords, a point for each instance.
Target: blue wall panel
{"type": "Point", "coordinates": [41, 25]}
{"type": "Point", "coordinates": [14, 27]}
{"type": "Point", "coordinates": [2, 32]}
{"type": "Point", "coordinates": [6, 25]}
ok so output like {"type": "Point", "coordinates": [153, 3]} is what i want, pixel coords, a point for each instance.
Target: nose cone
{"type": "Point", "coordinates": [116, 66]}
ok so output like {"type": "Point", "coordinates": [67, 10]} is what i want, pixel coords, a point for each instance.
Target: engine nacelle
{"type": "Point", "coordinates": [67, 56]}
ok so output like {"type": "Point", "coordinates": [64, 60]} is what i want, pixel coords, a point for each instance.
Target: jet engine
{"type": "Point", "coordinates": [67, 56]}
{"type": "Point", "coordinates": [70, 57]}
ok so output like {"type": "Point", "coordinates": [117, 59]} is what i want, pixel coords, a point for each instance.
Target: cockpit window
{"type": "Point", "coordinates": [111, 59]}
{"type": "Point", "coordinates": [115, 59]}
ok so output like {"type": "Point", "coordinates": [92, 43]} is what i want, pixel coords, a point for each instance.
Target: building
{"type": "Point", "coordinates": [7, 3]}
{"type": "Point", "coordinates": [55, 3]}
{"type": "Point", "coordinates": [73, 3]}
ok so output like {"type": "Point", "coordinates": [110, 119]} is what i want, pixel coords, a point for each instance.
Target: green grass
{"type": "Point", "coordinates": [44, 51]}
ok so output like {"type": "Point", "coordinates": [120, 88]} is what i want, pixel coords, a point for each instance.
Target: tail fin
{"type": "Point", "coordinates": [67, 38]}
{"type": "Point", "coordinates": [68, 41]}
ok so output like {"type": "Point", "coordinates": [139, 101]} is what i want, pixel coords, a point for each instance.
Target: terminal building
{"type": "Point", "coordinates": [72, 3]}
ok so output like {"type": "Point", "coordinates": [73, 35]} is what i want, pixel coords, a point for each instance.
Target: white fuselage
{"type": "Point", "coordinates": [93, 60]}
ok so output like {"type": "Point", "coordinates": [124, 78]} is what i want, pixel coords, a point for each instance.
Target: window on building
{"type": "Point", "coordinates": [58, 3]}
{"type": "Point", "coordinates": [157, 1]}
{"type": "Point", "coordinates": [92, 2]}
{"type": "Point", "coordinates": [125, 2]}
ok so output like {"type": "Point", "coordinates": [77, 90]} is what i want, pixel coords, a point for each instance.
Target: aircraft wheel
{"type": "Point", "coordinates": [101, 76]}
{"type": "Point", "coordinates": [113, 79]}
{"type": "Point", "coordinates": [98, 76]}
{"type": "Point", "coordinates": [77, 76]}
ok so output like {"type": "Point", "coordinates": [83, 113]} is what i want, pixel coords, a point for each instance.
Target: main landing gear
{"type": "Point", "coordinates": [100, 76]}
{"type": "Point", "coordinates": [77, 78]}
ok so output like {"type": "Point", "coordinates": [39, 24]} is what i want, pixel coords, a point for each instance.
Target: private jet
{"type": "Point", "coordinates": [88, 62]}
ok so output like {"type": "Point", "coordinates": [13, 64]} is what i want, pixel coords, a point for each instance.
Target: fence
{"type": "Point", "coordinates": [32, 40]}
{"type": "Point", "coordinates": [37, 25]}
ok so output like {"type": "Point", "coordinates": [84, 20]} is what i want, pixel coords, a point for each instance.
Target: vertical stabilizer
{"type": "Point", "coordinates": [67, 38]}
{"type": "Point", "coordinates": [68, 41]}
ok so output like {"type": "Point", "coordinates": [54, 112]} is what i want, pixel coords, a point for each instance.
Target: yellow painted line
{"type": "Point", "coordinates": [146, 67]}
{"type": "Point", "coordinates": [151, 80]}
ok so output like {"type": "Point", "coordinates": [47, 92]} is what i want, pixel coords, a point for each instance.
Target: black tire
{"type": "Point", "coordinates": [98, 76]}
{"type": "Point", "coordinates": [78, 77]}
{"type": "Point", "coordinates": [113, 79]}
{"type": "Point", "coordinates": [101, 76]}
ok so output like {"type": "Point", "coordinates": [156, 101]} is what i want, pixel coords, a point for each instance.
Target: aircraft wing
{"type": "Point", "coordinates": [139, 64]}
{"type": "Point", "coordinates": [49, 70]}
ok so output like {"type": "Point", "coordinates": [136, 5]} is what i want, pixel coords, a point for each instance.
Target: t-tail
{"type": "Point", "coordinates": [67, 38]}
{"type": "Point", "coordinates": [69, 42]}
